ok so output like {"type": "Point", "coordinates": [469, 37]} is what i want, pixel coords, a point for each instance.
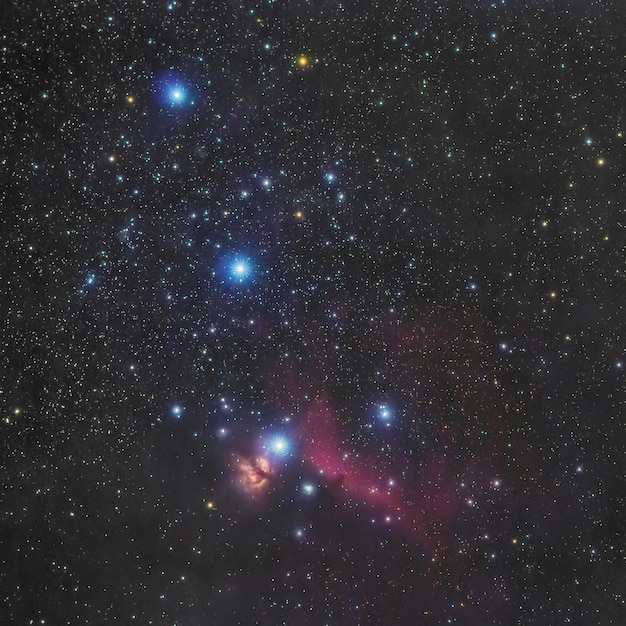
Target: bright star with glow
{"type": "Point", "coordinates": [240, 270]}
{"type": "Point", "coordinates": [384, 413]}
{"type": "Point", "coordinates": [177, 95]}
{"type": "Point", "coordinates": [308, 489]}
{"type": "Point", "coordinates": [279, 446]}
{"type": "Point", "coordinates": [174, 91]}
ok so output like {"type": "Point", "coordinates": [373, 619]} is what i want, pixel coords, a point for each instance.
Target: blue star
{"type": "Point", "coordinates": [240, 270]}
{"type": "Point", "coordinates": [308, 488]}
{"type": "Point", "coordinates": [174, 92]}
{"type": "Point", "coordinates": [279, 446]}
{"type": "Point", "coordinates": [177, 95]}
{"type": "Point", "coordinates": [384, 414]}
{"type": "Point", "coordinates": [90, 282]}
{"type": "Point", "coordinates": [237, 270]}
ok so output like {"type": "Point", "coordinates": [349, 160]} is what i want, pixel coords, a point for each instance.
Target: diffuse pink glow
{"type": "Point", "coordinates": [442, 363]}
{"type": "Point", "coordinates": [411, 506]}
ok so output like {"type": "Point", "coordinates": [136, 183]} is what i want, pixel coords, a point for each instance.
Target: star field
{"type": "Point", "coordinates": [313, 313]}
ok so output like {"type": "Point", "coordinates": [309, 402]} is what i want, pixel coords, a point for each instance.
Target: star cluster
{"type": "Point", "coordinates": [313, 313]}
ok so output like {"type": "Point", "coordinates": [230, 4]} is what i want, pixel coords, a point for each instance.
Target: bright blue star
{"type": "Point", "coordinates": [278, 446]}
{"type": "Point", "coordinates": [177, 95]}
{"type": "Point", "coordinates": [308, 489]}
{"type": "Point", "coordinates": [90, 281]}
{"type": "Point", "coordinates": [384, 414]}
{"type": "Point", "coordinates": [240, 270]}
{"type": "Point", "coordinates": [237, 270]}
{"type": "Point", "coordinates": [177, 410]}
{"type": "Point", "coordinates": [174, 91]}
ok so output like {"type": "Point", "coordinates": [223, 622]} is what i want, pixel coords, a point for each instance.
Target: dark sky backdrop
{"type": "Point", "coordinates": [312, 313]}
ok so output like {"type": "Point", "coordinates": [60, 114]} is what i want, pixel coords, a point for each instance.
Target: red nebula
{"type": "Point", "coordinates": [412, 507]}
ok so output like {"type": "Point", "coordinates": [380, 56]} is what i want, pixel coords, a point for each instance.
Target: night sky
{"type": "Point", "coordinates": [313, 312]}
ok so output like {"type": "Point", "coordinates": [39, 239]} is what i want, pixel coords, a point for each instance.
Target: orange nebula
{"type": "Point", "coordinates": [253, 475]}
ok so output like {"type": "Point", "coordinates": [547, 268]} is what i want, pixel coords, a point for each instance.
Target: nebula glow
{"type": "Point", "coordinates": [253, 475]}
{"type": "Point", "coordinates": [407, 479]}
{"type": "Point", "coordinates": [417, 503]}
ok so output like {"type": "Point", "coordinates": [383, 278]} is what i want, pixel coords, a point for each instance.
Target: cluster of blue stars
{"type": "Point", "coordinates": [384, 414]}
